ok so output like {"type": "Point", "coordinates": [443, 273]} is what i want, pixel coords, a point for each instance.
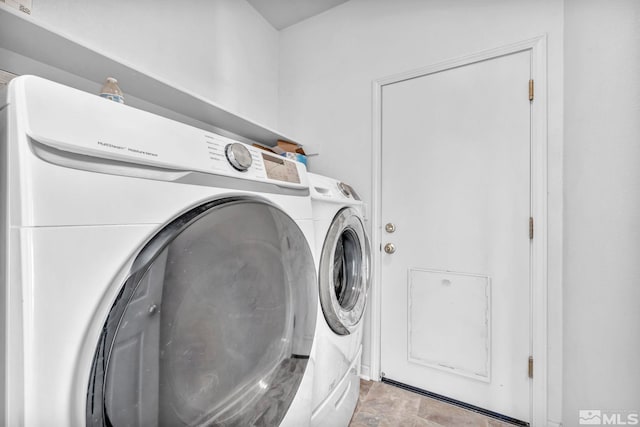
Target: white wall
{"type": "Point", "coordinates": [327, 64]}
{"type": "Point", "coordinates": [602, 206]}
{"type": "Point", "coordinates": [222, 50]}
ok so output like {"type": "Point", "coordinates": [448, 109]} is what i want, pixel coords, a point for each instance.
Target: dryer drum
{"type": "Point", "coordinates": [211, 327]}
{"type": "Point", "coordinates": [347, 269]}
{"type": "Point", "coordinates": [344, 272]}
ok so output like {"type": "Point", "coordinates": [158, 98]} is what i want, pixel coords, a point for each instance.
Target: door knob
{"type": "Point", "coordinates": [390, 227]}
{"type": "Point", "coordinates": [389, 248]}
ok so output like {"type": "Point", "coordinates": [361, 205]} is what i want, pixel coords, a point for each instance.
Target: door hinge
{"type": "Point", "coordinates": [530, 228]}
{"type": "Point", "coordinates": [530, 366]}
{"type": "Point", "coordinates": [531, 90]}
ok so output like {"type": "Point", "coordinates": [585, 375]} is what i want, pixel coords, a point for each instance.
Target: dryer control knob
{"type": "Point", "coordinates": [238, 156]}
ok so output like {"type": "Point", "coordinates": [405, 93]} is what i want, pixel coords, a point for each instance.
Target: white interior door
{"type": "Point", "coordinates": [456, 186]}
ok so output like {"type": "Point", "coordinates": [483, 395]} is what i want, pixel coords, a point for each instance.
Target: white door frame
{"type": "Point", "coordinates": [538, 48]}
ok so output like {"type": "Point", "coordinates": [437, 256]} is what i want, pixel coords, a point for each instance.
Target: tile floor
{"type": "Point", "coordinates": [384, 405]}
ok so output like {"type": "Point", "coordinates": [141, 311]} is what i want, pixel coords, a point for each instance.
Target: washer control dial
{"type": "Point", "coordinates": [238, 156]}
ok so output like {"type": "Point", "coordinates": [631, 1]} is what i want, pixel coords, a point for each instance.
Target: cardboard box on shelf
{"type": "Point", "coordinates": [290, 150]}
{"type": "Point", "coordinates": [274, 149]}
{"type": "Point", "coordinates": [291, 147]}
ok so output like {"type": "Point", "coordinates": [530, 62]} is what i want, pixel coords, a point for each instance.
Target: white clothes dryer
{"type": "Point", "coordinates": [153, 273]}
{"type": "Point", "coordinates": [343, 257]}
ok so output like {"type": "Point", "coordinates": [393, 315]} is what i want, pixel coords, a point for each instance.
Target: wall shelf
{"type": "Point", "coordinates": [24, 35]}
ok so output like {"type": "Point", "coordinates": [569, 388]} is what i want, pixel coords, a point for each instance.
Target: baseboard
{"type": "Point", "coordinates": [365, 372]}
{"type": "Point", "coordinates": [553, 424]}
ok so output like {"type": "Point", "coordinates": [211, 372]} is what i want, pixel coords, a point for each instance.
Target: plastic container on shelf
{"type": "Point", "coordinates": [111, 91]}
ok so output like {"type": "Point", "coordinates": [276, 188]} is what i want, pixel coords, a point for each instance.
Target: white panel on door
{"type": "Point", "coordinates": [450, 322]}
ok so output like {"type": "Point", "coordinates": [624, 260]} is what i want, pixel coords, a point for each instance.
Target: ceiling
{"type": "Point", "coordinates": [283, 13]}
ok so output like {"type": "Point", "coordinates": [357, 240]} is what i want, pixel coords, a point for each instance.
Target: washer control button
{"type": "Point", "coordinates": [238, 156]}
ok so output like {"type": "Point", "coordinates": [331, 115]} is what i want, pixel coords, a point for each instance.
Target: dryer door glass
{"type": "Point", "coordinates": [214, 325]}
{"type": "Point", "coordinates": [344, 272]}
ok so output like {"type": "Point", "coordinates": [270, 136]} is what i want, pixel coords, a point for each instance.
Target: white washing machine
{"type": "Point", "coordinates": [343, 257]}
{"type": "Point", "coordinates": [153, 274]}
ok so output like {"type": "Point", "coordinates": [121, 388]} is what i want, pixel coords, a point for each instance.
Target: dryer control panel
{"type": "Point", "coordinates": [255, 162]}
{"type": "Point", "coordinates": [85, 124]}
{"type": "Point", "coordinates": [280, 168]}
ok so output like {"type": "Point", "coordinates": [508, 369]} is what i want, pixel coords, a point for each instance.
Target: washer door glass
{"type": "Point", "coordinates": [214, 325]}
{"type": "Point", "coordinates": [344, 272]}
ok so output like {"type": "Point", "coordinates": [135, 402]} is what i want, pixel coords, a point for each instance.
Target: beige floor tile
{"type": "Point", "coordinates": [421, 422]}
{"type": "Point", "coordinates": [367, 419]}
{"type": "Point", "coordinates": [449, 415]}
{"type": "Point", "coordinates": [497, 423]}
{"type": "Point", "coordinates": [383, 405]}
{"type": "Point", "coordinates": [385, 399]}
{"type": "Point", "coordinates": [364, 418]}
{"type": "Point", "coordinates": [365, 386]}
